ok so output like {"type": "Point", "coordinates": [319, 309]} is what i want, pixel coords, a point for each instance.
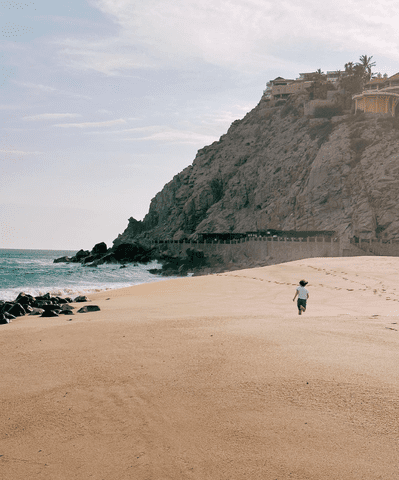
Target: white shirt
{"type": "Point", "coordinates": [302, 293]}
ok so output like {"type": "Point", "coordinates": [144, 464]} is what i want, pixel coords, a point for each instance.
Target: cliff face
{"type": "Point", "coordinates": [276, 168]}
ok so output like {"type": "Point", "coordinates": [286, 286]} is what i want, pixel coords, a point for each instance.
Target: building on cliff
{"type": "Point", "coordinates": [283, 88]}
{"type": "Point", "coordinates": [381, 95]}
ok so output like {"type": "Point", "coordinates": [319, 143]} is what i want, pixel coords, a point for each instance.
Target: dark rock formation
{"type": "Point", "coordinates": [65, 259]}
{"type": "Point", "coordinates": [80, 255]}
{"type": "Point", "coordinates": [192, 261]}
{"type": "Point", "coordinates": [100, 248]}
{"type": "Point", "coordinates": [119, 253]}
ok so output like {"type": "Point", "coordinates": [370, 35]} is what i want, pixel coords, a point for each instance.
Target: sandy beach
{"type": "Point", "coordinates": [213, 377]}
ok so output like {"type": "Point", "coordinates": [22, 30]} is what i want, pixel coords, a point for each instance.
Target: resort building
{"type": "Point", "coordinates": [334, 76]}
{"type": "Point", "coordinates": [283, 87]}
{"type": "Point", "coordinates": [381, 95]}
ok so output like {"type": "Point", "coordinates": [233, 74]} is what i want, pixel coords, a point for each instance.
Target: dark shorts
{"type": "Point", "coordinates": [301, 302]}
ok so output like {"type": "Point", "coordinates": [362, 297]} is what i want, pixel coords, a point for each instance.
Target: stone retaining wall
{"type": "Point", "coordinates": [389, 248]}
{"type": "Point", "coordinates": [262, 249]}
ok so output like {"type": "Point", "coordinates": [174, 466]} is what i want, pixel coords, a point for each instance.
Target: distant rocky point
{"type": "Point", "coordinates": [193, 260]}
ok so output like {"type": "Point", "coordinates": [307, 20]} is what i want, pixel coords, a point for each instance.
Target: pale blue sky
{"type": "Point", "coordinates": [104, 101]}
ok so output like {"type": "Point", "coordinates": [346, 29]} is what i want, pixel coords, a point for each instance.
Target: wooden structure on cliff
{"type": "Point", "coordinates": [380, 96]}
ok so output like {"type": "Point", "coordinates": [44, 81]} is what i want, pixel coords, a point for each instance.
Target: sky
{"type": "Point", "coordinates": [102, 102]}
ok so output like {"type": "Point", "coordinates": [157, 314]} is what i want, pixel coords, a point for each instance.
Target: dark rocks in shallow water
{"type": "Point", "coordinates": [108, 258]}
{"type": "Point", "coordinates": [132, 252]}
{"type": "Point", "coordinates": [99, 248]}
{"type": "Point", "coordinates": [192, 261]}
{"type": "Point", "coordinates": [80, 256]}
{"type": "Point", "coordinates": [89, 308]}
{"type": "Point", "coordinates": [65, 312]}
{"type": "Point", "coordinates": [46, 297]}
{"type": "Point", "coordinates": [65, 259]}
{"type": "Point", "coordinates": [119, 253]}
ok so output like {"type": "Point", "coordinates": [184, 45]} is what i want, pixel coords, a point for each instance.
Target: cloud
{"type": "Point", "coordinates": [159, 133]}
{"type": "Point", "coordinates": [48, 89]}
{"type": "Point", "coordinates": [52, 116]}
{"type": "Point", "coordinates": [19, 152]}
{"type": "Point", "coordinates": [237, 34]}
{"type": "Point", "coordinates": [169, 135]}
{"type": "Point", "coordinates": [109, 56]}
{"type": "Point", "coordinates": [91, 124]}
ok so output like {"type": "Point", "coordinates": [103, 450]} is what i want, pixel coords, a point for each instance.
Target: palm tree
{"type": "Point", "coordinates": [349, 68]}
{"type": "Point", "coordinates": [366, 63]}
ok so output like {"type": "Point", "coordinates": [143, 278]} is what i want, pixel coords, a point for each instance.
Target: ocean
{"type": "Point", "coordinates": [33, 272]}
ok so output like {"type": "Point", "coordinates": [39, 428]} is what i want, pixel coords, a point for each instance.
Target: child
{"type": "Point", "coordinates": [303, 295]}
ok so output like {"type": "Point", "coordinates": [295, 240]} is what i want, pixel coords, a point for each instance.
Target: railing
{"type": "Point", "coordinates": [324, 239]}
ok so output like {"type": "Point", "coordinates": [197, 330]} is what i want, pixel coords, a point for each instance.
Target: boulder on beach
{"type": "Point", "coordinates": [16, 309]}
{"type": "Point", "coordinates": [50, 313]}
{"type": "Point", "coordinates": [25, 299]}
{"type": "Point", "coordinates": [89, 308]}
{"type": "Point", "coordinates": [4, 320]}
{"type": "Point", "coordinates": [81, 298]}
{"type": "Point", "coordinates": [36, 311]}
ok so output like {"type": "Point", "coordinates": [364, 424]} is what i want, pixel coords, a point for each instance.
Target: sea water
{"type": "Point", "coordinates": [33, 272]}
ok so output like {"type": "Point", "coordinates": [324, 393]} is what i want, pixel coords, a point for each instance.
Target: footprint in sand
{"type": "Point", "coordinates": [350, 289]}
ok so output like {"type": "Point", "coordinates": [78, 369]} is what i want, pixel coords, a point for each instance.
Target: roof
{"type": "Point", "coordinates": [394, 77]}
{"type": "Point", "coordinates": [376, 80]}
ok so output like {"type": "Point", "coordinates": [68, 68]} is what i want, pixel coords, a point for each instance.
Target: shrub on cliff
{"type": "Point", "coordinates": [327, 112]}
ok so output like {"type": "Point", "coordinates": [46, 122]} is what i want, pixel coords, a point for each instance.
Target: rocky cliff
{"type": "Point", "coordinates": [277, 168]}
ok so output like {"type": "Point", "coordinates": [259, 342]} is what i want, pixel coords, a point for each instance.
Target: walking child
{"type": "Point", "coordinates": [303, 295]}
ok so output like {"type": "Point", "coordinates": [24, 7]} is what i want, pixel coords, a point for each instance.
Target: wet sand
{"type": "Point", "coordinates": [213, 377]}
